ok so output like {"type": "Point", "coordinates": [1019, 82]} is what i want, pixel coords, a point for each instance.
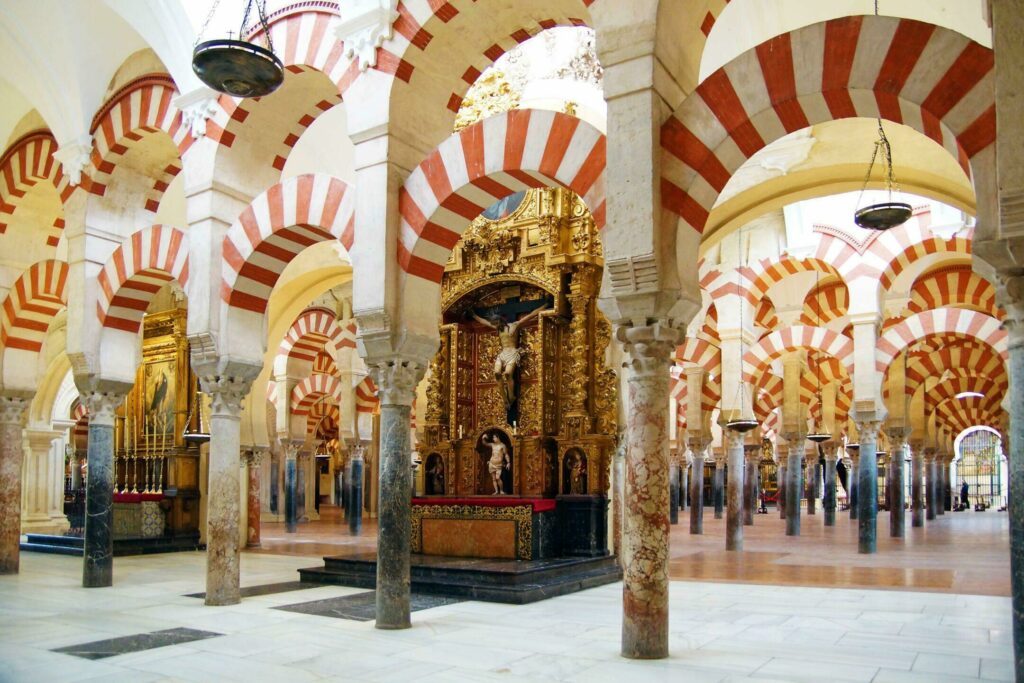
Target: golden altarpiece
{"type": "Point", "coordinates": [531, 263]}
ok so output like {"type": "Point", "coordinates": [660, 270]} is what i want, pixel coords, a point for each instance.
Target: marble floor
{"type": "Point", "coordinates": [719, 632]}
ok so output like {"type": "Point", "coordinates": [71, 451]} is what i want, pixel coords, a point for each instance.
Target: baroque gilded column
{"type": "Point", "coordinates": [734, 518]}
{"type": "Point", "coordinates": [829, 503]}
{"type": "Point", "coordinates": [12, 413]}
{"type": "Point", "coordinates": [867, 487]}
{"type": "Point", "coordinates": [98, 566]}
{"type": "Point", "coordinates": [645, 569]}
{"type": "Point", "coordinates": [222, 503]}
{"type": "Point", "coordinates": [396, 380]}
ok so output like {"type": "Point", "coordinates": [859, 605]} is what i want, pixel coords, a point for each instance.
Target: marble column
{"type": "Point", "coordinates": [734, 518]}
{"type": "Point", "coordinates": [673, 494]}
{"type": "Point", "coordinates": [253, 461]}
{"type": "Point", "coordinates": [916, 486]}
{"type": "Point", "coordinates": [752, 455]}
{"type": "Point", "coordinates": [684, 484]}
{"type": "Point", "coordinates": [931, 470]}
{"type": "Point", "coordinates": [1014, 324]}
{"type": "Point", "coordinates": [301, 465]}
{"type": "Point", "coordinates": [397, 380]}
{"type": "Point", "coordinates": [794, 489]}
{"type": "Point", "coordinates": [355, 492]}
{"type": "Point", "coordinates": [867, 487]}
{"type": "Point", "coordinates": [943, 481]}
{"type": "Point", "coordinates": [829, 503]}
{"type": "Point", "coordinates": [718, 486]}
{"type": "Point", "coordinates": [98, 554]}
{"type": "Point", "coordinates": [274, 489]}
{"type": "Point", "coordinates": [811, 485]}
{"type": "Point", "coordinates": [780, 482]}
{"type": "Point", "coordinates": [852, 480]}
{"type": "Point", "coordinates": [222, 503]}
{"type": "Point", "coordinates": [12, 413]}
{"type": "Point", "coordinates": [697, 493]}
{"type": "Point", "coordinates": [618, 475]}
{"type": "Point", "coordinates": [291, 486]}
{"type": "Point", "coordinates": [645, 571]}
{"type": "Point", "coordinates": [897, 454]}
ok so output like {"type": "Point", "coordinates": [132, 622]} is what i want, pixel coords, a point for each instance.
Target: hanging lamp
{"type": "Point", "coordinates": [197, 434]}
{"type": "Point", "coordinates": [818, 437]}
{"type": "Point", "coordinates": [238, 67]}
{"type": "Point", "coordinates": [889, 213]}
{"type": "Point", "coordinates": [741, 424]}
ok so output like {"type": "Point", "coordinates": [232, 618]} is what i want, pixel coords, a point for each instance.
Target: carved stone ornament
{"type": "Point", "coordinates": [868, 431]}
{"type": "Point", "coordinates": [364, 26]}
{"type": "Point", "coordinates": [649, 347]}
{"type": "Point", "coordinates": [101, 406]}
{"type": "Point", "coordinates": [396, 381]}
{"type": "Point", "coordinates": [197, 107]}
{"type": "Point", "coordinates": [12, 410]}
{"type": "Point", "coordinates": [227, 393]}
{"type": "Point", "coordinates": [73, 156]}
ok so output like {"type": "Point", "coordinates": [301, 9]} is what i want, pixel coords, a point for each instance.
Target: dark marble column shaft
{"type": "Point", "coordinates": [673, 494]}
{"type": "Point", "coordinates": [811, 485]}
{"type": "Point", "coordinates": [916, 488]}
{"type": "Point", "coordinates": [397, 380]}
{"type": "Point", "coordinates": [930, 492]}
{"type": "Point", "coordinates": [794, 488]}
{"type": "Point", "coordinates": [829, 502]}
{"type": "Point", "coordinates": [718, 488]}
{"type": "Point", "coordinates": [684, 486]}
{"type": "Point", "coordinates": [697, 494]}
{"type": "Point", "coordinates": [751, 486]}
{"type": "Point", "coordinates": [1015, 464]}
{"type": "Point", "coordinates": [853, 479]}
{"type": "Point", "coordinates": [618, 475]}
{"type": "Point", "coordinates": [943, 481]}
{"type": "Point", "coordinates": [867, 488]}
{"type": "Point", "coordinates": [291, 479]}
{"type": "Point", "coordinates": [355, 494]}
{"type": "Point", "coordinates": [98, 553]}
{"type": "Point", "coordinates": [897, 516]}
{"type": "Point", "coordinates": [12, 412]}
{"type": "Point", "coordinates": [780, 482]}
{"type": "Point", "coordinates": [301, 463]}
{"type": "Point", "coordinates": [735, 493]}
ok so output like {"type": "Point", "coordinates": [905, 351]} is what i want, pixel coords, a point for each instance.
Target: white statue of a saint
{"type": "Point", "coordinates": [499, 461]}
{"type": "Point", "coordinates": [508, 358]}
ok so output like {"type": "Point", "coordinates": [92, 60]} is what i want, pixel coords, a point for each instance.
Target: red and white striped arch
{"type": "Point", "coordinates": [366, 396]}
{"type": "Point", "coordinates": [773, 345]}
{"type": "Point", "coordinates": [948, 389]}
{"type": "Point", "coordinates": [901, 259]}
{"type": "Point", "coordinates": [34, 299]}
{"type": "Point", "coordinates": [488, 161]}
{"type": "Point", "coordinates": [958, 321]}
{"type": "Point", "coordinates": [324, 418]}
{"type": "Point", "coordinates": [955, 285]}
{"type": "Point", "coordinates": [312, 329]}
{"type": "Point", "coordinates": [767, 395]}
{"type": "Point", "coordinates": [965, 413]}
{"type": "Point", "coordinates": [136, 271]}
{"type": "Point", "coordinates": [275, 227]}
{"type": "Point", "coordinates": [977, 360]}
{"type": "Point", "coordinates": [765, 316]}
{"type": "Point", "coordinates": [825, 303]}
{"type": "Point", "coordinates": [931, 79]}
{"type": "Point", "coordinates": [27, 161]}
{"type": "Point", "coordinates": [312, 389]}
{"type": "Point", "coordinates": [700, 352]}
{"type": "Point", "coordinates": [766, 273]}
{"type": "Point", "coordinates": [141, 107]}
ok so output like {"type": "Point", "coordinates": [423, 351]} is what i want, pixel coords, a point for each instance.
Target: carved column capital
{"type": "Point", "coordinates": [897, 435]}
{"type": "Point", "coordinates": [101, 406]}
{"type": "Point", "coordinates": [226, 393]}
{"type": "Point", "coordinates": [733, 438]}
{"type": "Point", "coordinates": [649, 347]}
{"type": "Point", "coordinates": [396, 380]}
{"type": "Point", "coordinates": [13, 409]}
{"type": "Point", "coordinates": [867, 431]}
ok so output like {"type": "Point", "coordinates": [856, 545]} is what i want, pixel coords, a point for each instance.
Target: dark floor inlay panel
{"type": "Point", "coordinates": [101, 649]}
{"type": "Point", "coordinates": [266, 589]}
{"type": "Point", "coordinates": [361, 606]}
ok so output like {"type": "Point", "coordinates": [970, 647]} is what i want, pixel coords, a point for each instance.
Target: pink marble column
{"type": "Point", "coordinates": [223, 501]}
{"type": "Point", "coordinates": [734, 491]}
{"type": "Point", "coordinates": [12, 412]}
{"type": "Point", "coordinates": [646, 524]}
{"type": "Point", "coordinates": [618, 491]}
{"type": "Point", "coordinates": [252, 536]}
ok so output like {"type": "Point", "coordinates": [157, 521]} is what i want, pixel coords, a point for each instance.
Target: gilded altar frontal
{"type": "Point", "coordinates": [537, 254]}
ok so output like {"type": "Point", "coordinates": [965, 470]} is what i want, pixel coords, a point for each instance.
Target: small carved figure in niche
{"type": "Point", "coordinates": [499, 460]}
{"type": "Point", "coordinates": [575, 473]}
{"type": "Point", "coordinates": [435, 474]}
{"type": "Point", "coordinates": [507, 362]}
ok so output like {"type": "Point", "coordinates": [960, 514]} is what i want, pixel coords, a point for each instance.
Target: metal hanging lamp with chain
{"type": "Point", "coordinates": [197, 434]}
{"type": "Point", "coordinates": [889, 213]}
{"type": "Point", "coordinates": [816, 436]}
{"type": "Point", "coordinates": [741, 424]}
{"type": "Point", "coordinates": [238, 67]}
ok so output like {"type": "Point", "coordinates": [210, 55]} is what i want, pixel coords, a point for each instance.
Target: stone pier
{"type": "Point", "coordinates": [12, 414]}
{"type": "Point", "coordinates": [98, 554]}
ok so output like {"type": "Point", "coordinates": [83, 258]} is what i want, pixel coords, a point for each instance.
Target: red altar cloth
{"type": "Point", "coordinates": [538, 504]}
{"type": "Point", "coordinates": [136, 497]}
